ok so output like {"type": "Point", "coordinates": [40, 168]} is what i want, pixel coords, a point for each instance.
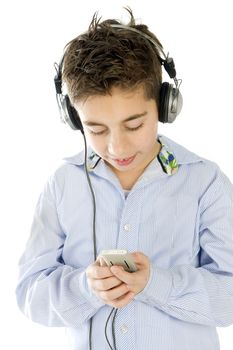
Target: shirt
{"type": "Point", "coordinates": [179, 213]}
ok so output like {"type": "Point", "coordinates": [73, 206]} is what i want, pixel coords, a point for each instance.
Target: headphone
{"type": "Point", "coordinates": [171, 100]}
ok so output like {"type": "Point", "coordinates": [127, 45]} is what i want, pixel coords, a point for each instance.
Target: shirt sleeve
{"type": "Point", "coordinates": [202, 294]}
{"type": "Point", "coordinates": [48, 291]}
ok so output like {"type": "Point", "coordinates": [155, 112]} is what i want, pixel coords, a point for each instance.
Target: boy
{"type": "Point", "coordinates": [170, 208]}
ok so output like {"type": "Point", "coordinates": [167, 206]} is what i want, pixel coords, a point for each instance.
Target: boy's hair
{"type": "Point", "coordinates": [105, 57]}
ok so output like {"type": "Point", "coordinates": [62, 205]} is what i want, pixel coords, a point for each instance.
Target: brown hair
{"type": "Point", "coordinates": [106, 57]}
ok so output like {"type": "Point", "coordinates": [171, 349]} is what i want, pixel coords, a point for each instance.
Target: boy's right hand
{"type": "Point", "coordinates": [106, 286]}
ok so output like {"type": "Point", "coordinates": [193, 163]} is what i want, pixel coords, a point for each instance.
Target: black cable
{"type": "Point", "coordinates": [113, 329]}
{"type": "Point", "coordinates": [105, 329]}
{"type": "Point", "coordinates": [95, 255]}
{"type": "Point", "coordinates": [94, 217]}
{"type": "Point", "coordinates": [93, 198]}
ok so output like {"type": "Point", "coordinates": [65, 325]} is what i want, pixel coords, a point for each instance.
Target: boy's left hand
{"type": "Point", "coordinates": [136, 281]}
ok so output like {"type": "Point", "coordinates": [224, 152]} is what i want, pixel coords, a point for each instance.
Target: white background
{"type": "Point", "coordinates": [33, 141]}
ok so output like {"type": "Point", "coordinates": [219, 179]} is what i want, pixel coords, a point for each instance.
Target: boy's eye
{"type": "Point", "coordinates": [96, 132]}
{"type": "Point", "coordinates": [135, 128]}
{"type": "Point", "coordinates": [127, 128]}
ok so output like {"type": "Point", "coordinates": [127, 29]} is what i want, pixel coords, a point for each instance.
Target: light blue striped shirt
{"type": "Point", "coordinates": [179, 213]}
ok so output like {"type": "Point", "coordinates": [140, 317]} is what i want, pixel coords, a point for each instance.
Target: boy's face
{"type": "Point", "coordinates": [122, 129]}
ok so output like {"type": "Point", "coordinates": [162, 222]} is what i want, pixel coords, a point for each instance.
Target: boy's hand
{"type": "Point", "coordinates": [136, 281]}
{"type": "Point", "coordinates": [107, 286]}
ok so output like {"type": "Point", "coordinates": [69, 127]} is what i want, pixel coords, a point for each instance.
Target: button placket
{"type": "Point", "coordinates": [130, 221]}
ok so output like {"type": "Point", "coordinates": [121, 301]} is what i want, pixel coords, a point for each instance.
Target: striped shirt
{"type": "Point", "coordinates": [179, 213]}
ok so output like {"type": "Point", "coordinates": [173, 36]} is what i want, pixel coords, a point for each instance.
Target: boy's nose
{"type": "Point", "coordinates": [117, 146]}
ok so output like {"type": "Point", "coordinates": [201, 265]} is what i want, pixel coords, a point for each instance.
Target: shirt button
{"type": "Point", "coordinates": [124, 329]}
{"type": "Point", "coordinates": [127, 227]}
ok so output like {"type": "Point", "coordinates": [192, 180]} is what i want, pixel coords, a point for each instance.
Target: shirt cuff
{"type": "Point", "coordinates": [158, 287]}
{"type": "Point", "coordinates": [86, 291]}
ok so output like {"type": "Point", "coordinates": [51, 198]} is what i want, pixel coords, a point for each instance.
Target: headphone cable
{"type": "Point", "coordinates": [105, 330]}
{"type": "Point", "coordinates": [94, 217]}
{"type": "Point", "coordinates": [113, 329]}
{"type": "Point", "coordinates": [95, 256]}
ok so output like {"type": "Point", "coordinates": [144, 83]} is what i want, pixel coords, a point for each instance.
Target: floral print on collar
{"type": "Point", "coordinates": [165, 157]}
{"type": "Point", "coordinates": [167, 160]}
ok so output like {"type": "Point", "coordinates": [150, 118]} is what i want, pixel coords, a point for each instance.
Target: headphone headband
{"type": "Point", "coordinates": [167, 61]}
{"type": "Point", "coordinates": [148, 37]}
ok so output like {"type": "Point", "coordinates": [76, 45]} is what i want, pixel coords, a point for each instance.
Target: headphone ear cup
{"type": "Point", "coordinates": [73, 118]}
{"type": "Point", "coordinates": [171, 103]}
{"type": "Point", "coordinates": [164, 103]}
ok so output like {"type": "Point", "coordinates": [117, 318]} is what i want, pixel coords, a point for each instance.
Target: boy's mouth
{"type": "Point", "coordinates": [125, 161]}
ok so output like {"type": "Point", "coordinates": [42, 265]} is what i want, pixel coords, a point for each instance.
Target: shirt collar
{"type": "Point", "coordinates": [170, 157]}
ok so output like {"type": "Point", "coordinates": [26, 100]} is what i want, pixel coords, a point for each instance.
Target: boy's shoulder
{"type": "Point", "coordinates": [182, 154]}
{"type": "Point", "coordinates": [193, 162]}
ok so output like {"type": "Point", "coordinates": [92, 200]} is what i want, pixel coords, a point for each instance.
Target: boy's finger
{"type": "Point", "coordinates": [120, 273]}
{"type": "Point", "coordinates": [97, 272]}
